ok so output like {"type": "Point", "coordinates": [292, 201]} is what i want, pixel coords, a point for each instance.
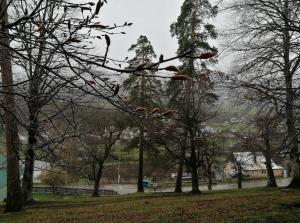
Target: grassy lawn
{"type": "Point", "coordinates": [247, 205]}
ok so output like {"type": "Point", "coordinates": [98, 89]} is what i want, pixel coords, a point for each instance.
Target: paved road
{"type": "Point", "coordinates": [131, 188]}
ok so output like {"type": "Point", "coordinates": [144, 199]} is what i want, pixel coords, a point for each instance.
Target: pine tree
{"type": "Point", "coordinates": [191, 98]}
{"type": "Point", "coordinates": [144, 91]}
{"type": "Point", "coordinates": [192, 30]}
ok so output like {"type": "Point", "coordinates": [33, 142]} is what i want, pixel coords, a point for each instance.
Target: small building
{"type": "Point", "coordinates": [253, 165]}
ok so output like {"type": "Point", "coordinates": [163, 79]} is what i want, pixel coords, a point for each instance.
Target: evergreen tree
{"type": "Point", "coordinates": [192, 99]}
{"type": "Point", "coordinates": [144, 92]}
{"type": "Point", "coordinates": [193, 32]}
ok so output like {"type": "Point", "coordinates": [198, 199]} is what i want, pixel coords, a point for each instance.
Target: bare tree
{"type": "Point", "coordinates": [14, 198]}
{"type": "Point", "coordinates": [267, 45]}
{"type": "Point", "coordinates": [95, 153]}
{"type": "Point", "coordinates": [86, 154]}
{"type": "Point", "coordinates": [50, 43]}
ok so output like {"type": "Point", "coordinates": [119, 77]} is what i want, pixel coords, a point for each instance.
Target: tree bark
{"type": "Point", "coordinates": [209, 176]}
{"type": "Point", "coordinates": [295, 183]}
{"type": "Point", "coordinates": [14, 200]}
{"type": "Point", "coordinates": [209, 185]}
{"type": "Point", "coordinates": [270, 172]}
{"type": "Point", "coordinates": [194, 167]}
{"type": "Point", "coordinates": [240, 175]}
{"type": "Point", "coordinates": [267, 155]}
{"type": "Point", "coordinates": [27, 182]}
{"type": "Point", "coordinates": [97, 180]}
{"type": "Point", "coordinates": [293, 139]}
{"type": "Point", "coordinates": [34, 108]}
{"type": "Point", "coordinates": [289, 107]}
{"type": "Point", "coordinates": [178, 186]}
{"type": "Point", "coordinates": [100, 163]}
{"type": "Point", "coordinates": [141, 161]}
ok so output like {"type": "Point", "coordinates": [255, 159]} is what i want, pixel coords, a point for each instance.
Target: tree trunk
{"type": "Point", "coordinates": [195, 181]}
{"type": "Point", "coordinates": [34, 108]}
{"type": "Point", "coordinates": [14, 200]}
{"type": "Point", "coordinates": [293, 139]}
{"type": "Point", "coordinates": [240, 175]}
{"type": "Point", "coordinates": [209, 185]}
{"type": "Point", "coordinates": [209, 176]}
{"type": "Point", "coordinates": [270, 172]}
{"type": "Point", "coordinates": [267, 154]}
{"type": "Point", "coordinates": [178, 186]}
{"type": "Point", "coordinates": [194, 167]}
{"type": "Point", "coordinates": [27, 181]}
{"type": "Point", "coordinates": [295, 183]}
{"type": "Point", "coordinates": [141, 161]}
{"type": "Point", "coordinates": [289, 107]}
{"type": "Point", "coordinates": [97, 180]}
{"type": "Point", "coordinates": [294, 156]}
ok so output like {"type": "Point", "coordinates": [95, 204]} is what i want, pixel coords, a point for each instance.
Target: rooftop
{"type": "Point", "coordinates": [253, 161]}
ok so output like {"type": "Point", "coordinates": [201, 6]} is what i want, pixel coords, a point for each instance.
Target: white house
{"type": "Point", "coordinates": [253, 165]}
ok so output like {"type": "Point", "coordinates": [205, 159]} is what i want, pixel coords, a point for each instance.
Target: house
{"type": "Point", "coordinates": [252, 165]}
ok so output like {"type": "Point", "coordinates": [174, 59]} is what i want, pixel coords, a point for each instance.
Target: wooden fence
{"type": "Point", "coordinates": [71, 191]}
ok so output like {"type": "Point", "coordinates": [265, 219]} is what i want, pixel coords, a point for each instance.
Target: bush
{"type": "Point", "coordinates": [57, 177]}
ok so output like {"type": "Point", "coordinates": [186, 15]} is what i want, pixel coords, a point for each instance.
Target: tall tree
{"type": "Point", "coordinates": [268, 42]}
{"type": "Point", "coordinates": [145, 92]}
{"type": "Point", "coordinates": [14, 200]}
{"type": "Point", "coordinates": [192, 31]}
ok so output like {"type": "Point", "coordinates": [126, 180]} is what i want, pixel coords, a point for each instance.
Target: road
{"type": "Point", "coordinates": [131, 188]}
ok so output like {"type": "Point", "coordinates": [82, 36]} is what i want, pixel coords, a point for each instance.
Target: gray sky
{"type": "Point", "coordinates": [151, 18]}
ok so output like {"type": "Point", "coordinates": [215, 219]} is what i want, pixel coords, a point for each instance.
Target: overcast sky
{"type": "Point", "coordinates": [149, 17]}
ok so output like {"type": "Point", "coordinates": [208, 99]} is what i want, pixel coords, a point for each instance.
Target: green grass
{"type": "Point", "coordinates": [247, 205]}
